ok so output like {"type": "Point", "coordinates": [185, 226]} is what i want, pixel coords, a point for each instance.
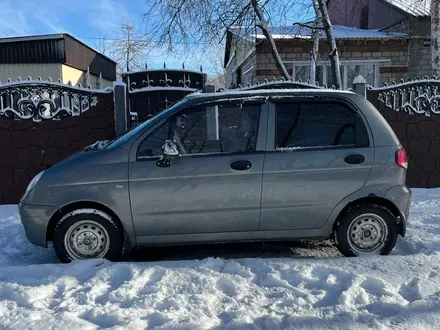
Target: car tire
{"type": "Point", "coordinates": [88, 234]}
{"type": "Point", "coordinates": [365, 229]}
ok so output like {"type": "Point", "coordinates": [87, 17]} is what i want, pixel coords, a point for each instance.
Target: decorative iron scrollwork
{"type": "Point", "coordinates": [45, 100]}
{"type": "Point", "coordinates": [414, 98]}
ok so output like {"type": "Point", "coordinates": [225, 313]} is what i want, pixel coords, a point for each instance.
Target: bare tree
{"type": "Point", "coordinates": [216, 72]}
{"type": "Point", "coordinates": [102, 45]}
{"type": "Point", "coordinates": [196, 22]}
{"type": "Point", "coordinates": [333, 54]}
{"type": "Point", "coordinates": [129, 48]}
{"type": "Point", "coordinates": [435, 36]}
{"type": "Point", "coordinates": [316, 34]}
{"type": "Point", "coordinates": [264, 26]}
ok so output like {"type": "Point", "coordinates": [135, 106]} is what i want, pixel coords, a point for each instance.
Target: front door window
{"type": "Point", "coordinates": [207, 129]}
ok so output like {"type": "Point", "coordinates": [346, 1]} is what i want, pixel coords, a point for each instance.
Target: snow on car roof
{"type": "Point", "coordinates": [264, 92]}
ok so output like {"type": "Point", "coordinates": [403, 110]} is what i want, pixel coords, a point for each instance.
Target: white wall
{"type": "Point", "coordinates": [13, 71]}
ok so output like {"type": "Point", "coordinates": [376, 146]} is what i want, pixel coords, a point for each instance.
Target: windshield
{"type": "Point", "coordinates": [142, 126]}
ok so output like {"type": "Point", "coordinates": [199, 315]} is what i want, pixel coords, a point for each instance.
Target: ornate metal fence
{"type": "Point", "coordinates": [152, 90]}
{"type": "Point", "coordinates": [412, 109]}
{"type": "Point", "coordinates": [42, 100]}
{"type": "Point", "coordinates": [42, 122]}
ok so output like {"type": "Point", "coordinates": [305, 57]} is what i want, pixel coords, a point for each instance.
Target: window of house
{"type": "Point", "coordinates": [368, 71]}
{"type": "Point", "coordinates": [303, 72]}
{"type": "Point", "coordinates": [318, 125]}
{"type": "Point", "coordinates": [329, 77]}
{"type": "Point", "coordinates": [248, 77]}
{"type": "Point", "coordinates": [349, 70]}
{"type": "Point", "coordinates": [218, 128]}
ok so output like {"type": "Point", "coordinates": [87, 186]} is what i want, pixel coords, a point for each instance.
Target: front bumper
{"type": "Point", "coordinates": [35, 219]}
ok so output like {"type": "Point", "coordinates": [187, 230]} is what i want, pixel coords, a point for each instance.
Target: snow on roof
{"type": "Point", "coordinates": [416, 8]}
{"type": "Point", "coordinates": [341, 32]}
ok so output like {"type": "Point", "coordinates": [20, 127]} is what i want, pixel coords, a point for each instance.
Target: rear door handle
{"type": "Point", "coordinates": [355, 159]}
{"type": "Point", "coordinates": [241, 165]}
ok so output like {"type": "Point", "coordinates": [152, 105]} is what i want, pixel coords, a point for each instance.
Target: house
{"type": "Point", "coordinates": [379, 14]}
{"type": "Point", "coordinates": [411, 17]}
{"type": "Point", "coordinates": [58, 56]}
{"type": "Point", "coordinates": [384, 40]}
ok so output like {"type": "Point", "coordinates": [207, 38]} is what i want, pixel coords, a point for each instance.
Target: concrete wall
{"type": "Point", "coordinates": [45, 71]}
{"type": "Point", "coordinates": [79, 77]}
{"type": "Point", "coordinates": [419, 62]}
{"type": "Point", "coordinates": [13, 71]}
{"type": "Point", "coordinates": [419, 59]}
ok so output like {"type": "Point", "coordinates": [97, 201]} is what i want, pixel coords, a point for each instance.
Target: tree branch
{"type": "Point", "coordinates": [262, 24]}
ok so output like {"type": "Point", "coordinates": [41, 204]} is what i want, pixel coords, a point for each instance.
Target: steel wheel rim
{"type": "Point", "coordinates": [86, 239]}
{"type": "Point", "coordinates": [367, 233]}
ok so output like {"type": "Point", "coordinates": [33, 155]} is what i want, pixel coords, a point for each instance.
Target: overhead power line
{"type": "Point", "coordinates": [137, 40]}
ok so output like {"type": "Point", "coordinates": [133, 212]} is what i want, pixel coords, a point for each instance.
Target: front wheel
{"type": "Point", "coordinates": [88, 234]}
{"type": "Point", "coordinates": [366, 229]}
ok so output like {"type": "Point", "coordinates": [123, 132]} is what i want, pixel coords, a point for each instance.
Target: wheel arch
{"type": "Point", "coordinates": [61, 212]}
{"type": "Point", "coordinates": [381, 201]}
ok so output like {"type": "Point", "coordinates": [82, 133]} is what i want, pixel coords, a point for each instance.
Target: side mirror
{"type": "Point", "coordinates": [169, 152]}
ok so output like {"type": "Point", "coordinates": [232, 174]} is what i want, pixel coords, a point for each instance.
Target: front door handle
{"type": "Point", "coordinates": [355, 159]}
{"type": "Point", "coordinates": [241, 165]}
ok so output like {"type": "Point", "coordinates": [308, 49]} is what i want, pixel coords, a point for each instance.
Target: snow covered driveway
{"type": "Point", "coordinates": [317, 291]}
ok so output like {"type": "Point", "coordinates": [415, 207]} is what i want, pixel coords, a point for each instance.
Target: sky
{"type": "Point", "coordinates": [89, 21]}
{"type": "Point", "coordinates": [92, 20]}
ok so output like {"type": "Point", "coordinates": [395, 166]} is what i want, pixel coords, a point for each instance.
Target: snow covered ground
{"type": "Point", "coordinates": [306, 286]}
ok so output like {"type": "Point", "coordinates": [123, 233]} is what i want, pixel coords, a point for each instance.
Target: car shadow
{"type": "Point", "coordinates": [299, 250]}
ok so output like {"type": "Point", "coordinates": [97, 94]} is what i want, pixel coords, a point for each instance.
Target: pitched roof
{"type": "Point", "coordinates": [417, 8]}
{"type": "Point", "coordinates": [304, 32]}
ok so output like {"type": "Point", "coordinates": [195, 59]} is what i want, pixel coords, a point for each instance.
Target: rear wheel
{"type": "Point", "coordinates": [366, 229]}
{"type": "Point", "coordinates": [88, 234]}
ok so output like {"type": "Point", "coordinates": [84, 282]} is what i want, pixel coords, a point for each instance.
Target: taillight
{"type": "Point", "coordinates": [402, 158]}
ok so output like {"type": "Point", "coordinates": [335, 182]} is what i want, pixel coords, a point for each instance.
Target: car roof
{"type": "Point", "coordinates": [240, 94]}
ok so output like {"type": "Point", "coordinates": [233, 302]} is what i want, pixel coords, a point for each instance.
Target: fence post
{"type": "Point", "coordinates": [360, 85]}
{"type": "Point", "coordinates": [120, 102]}
{"type": "Point", "coordinates": [209, 88]}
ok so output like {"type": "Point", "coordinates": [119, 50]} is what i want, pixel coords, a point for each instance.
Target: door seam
{"type": "Point", "coordinates": [268, 105]}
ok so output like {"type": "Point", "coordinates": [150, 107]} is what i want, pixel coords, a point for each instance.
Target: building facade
{"type": "Point", "coordinates": [376, 38]}
{"type": "Point", "coordinates": [58, 56]}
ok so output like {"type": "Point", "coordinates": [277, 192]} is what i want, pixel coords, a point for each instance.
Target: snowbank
{"type": "Point", "coordinates": [401, 291]}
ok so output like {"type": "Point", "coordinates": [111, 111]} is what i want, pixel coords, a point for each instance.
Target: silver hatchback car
{"type": "Point", "coordinates": [230, 166]}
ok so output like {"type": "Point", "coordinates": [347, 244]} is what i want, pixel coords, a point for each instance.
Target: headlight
{"type": "Point", "coordinates": [33, 182]}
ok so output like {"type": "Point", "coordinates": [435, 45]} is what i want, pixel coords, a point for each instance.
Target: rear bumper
{"type": "Point", "coordinates": [401, 197]}
{"type": "Point", "coordinates": [35, 219]}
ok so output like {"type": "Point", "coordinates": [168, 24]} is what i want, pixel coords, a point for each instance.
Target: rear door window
{"type": "Point", "coordinates": [310, 125]}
